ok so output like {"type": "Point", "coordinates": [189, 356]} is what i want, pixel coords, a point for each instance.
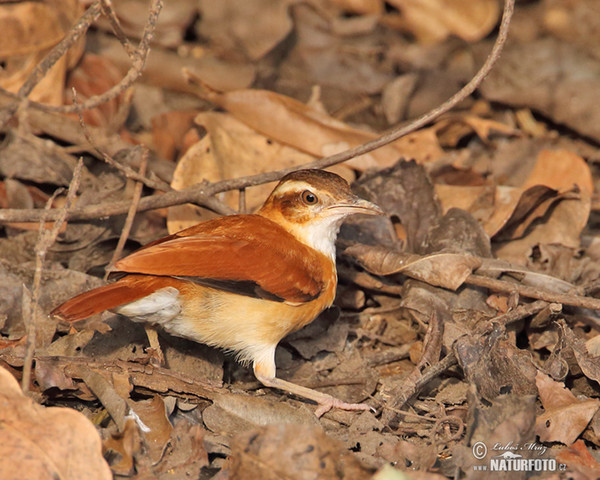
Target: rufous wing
{"type": "Point", "coordinates": [125, 290]}
{"type": "Point", "coordinates": [245, 254]}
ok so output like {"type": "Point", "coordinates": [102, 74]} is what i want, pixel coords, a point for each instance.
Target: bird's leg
{"type": "Point", "coordinates": [154, 351]}
{"type": "Point", "coordinates": [265, 374]}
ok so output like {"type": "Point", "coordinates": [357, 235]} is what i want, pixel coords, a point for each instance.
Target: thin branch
{"type": "Point", "coordinates": [45, 241]}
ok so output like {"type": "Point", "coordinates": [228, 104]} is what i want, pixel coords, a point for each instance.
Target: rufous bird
{"type": "Point", "coordinates": [240, 282]}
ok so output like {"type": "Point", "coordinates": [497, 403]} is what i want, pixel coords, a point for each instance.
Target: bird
{"type": "Point", "coordinates": [240, 282]}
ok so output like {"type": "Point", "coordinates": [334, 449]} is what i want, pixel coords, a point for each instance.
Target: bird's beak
{"type": "Point", "coordinates": [356, 205]}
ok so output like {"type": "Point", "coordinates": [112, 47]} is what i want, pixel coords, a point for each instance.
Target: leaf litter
{"type": "Point", "coordinates": [464, 316]}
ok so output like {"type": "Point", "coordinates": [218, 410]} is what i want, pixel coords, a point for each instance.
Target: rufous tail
{"type": "Point", "coordinates": [125, 290]}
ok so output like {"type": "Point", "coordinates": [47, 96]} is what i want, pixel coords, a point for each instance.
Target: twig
{"type": "Point", "coordinates": [76, 32]}
{"type": "Point", "coordinates": [137, 194]}
{"type": "Point", "coordinates": [190, 195]}
{"type": "Point", "coordinates": [45, 240]}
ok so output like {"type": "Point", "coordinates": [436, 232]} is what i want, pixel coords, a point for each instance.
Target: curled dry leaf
{"type": "Point", "coordinates": [495, 268]}
{"type": "Point", "coordinates": [46, 443]}
{"type": "Point", "coordinates": [560, 184]}
{"type": "Point", "coordinates": [588, 361]}
{"type": "Point", "coordinates": [447, 270]}
{"type": "Point", "coordinates": [565, 417]}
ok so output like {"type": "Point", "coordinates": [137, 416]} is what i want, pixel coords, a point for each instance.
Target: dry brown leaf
{"type": "Point", "coordinates": [447, 270]}
{"type": "Point", "coordinates": [577, 456]}
{"type": "Point", "coordinates": [561, 170]}
{"type": "Point", "coordinates": [153, 414]}
{"type": "Point", "coordinates": [295, 124]}
{"type": "Point", "coordinates": [126, 443]}
{"type": "Point", "coordinates": [565, 417]}
{"type": "Point", "coordinates": [495, 268]}
{"type": "Point", "coordinates": [29, 31]}
{"type": "Point", "coordinates": [549, 184]}
{"type": "Point", "coordinates": [587, 360]}
{"type": "Point", "coordinates": [550, 76]}
{"type": "Point", "coordinates": [95, 75]}
{"type": "Point", "coordinates": [232, 414]}
{"type": "Point", "coordinates": [495, 365]}
{"type": "Point", "coordinates": [188, 454]}
{"type": "Point", "coordinates": [576, 23]}
{"type": "Point", "coordinates": [452, 128]}
{"type": "Point", "coordinates": [171, 25]}
{"type": "Point", "coordinates": [230, 149]}
{"type": "Point", "coordinates": [50, 374]}
{"type": "Point", "coordinates": [169, 132]}
{"type": "Point", "coordinates": [293, 452]}
{"type": "Point", "coordinates": [432, 21]}
{"type": "Point", "coordinates": [256, 26]}
{"type": "Point", "coordinates": [46, 443]}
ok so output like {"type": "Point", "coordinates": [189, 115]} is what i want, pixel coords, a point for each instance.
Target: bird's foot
{"type": "Point", "coordinates": [155, 357]}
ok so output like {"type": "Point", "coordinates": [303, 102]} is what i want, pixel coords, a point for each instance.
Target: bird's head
{"type": "Point", "coordinates": [312, 204]}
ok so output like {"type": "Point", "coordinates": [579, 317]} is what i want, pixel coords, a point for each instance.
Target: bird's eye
{"type": "Point", "coordinates": [309, 198]}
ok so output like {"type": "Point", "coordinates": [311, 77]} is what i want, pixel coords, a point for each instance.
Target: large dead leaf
{"type": "Point", "coordinates": [447, 270]}
{"type": "Point", "coordinates": [298, 125]}
{"type": "Point", "coordinates": [232, 414]}
{"type": "Point", "coordinates": [565, 417]}
{"type": "Point", "coordinates": [46, 443]}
